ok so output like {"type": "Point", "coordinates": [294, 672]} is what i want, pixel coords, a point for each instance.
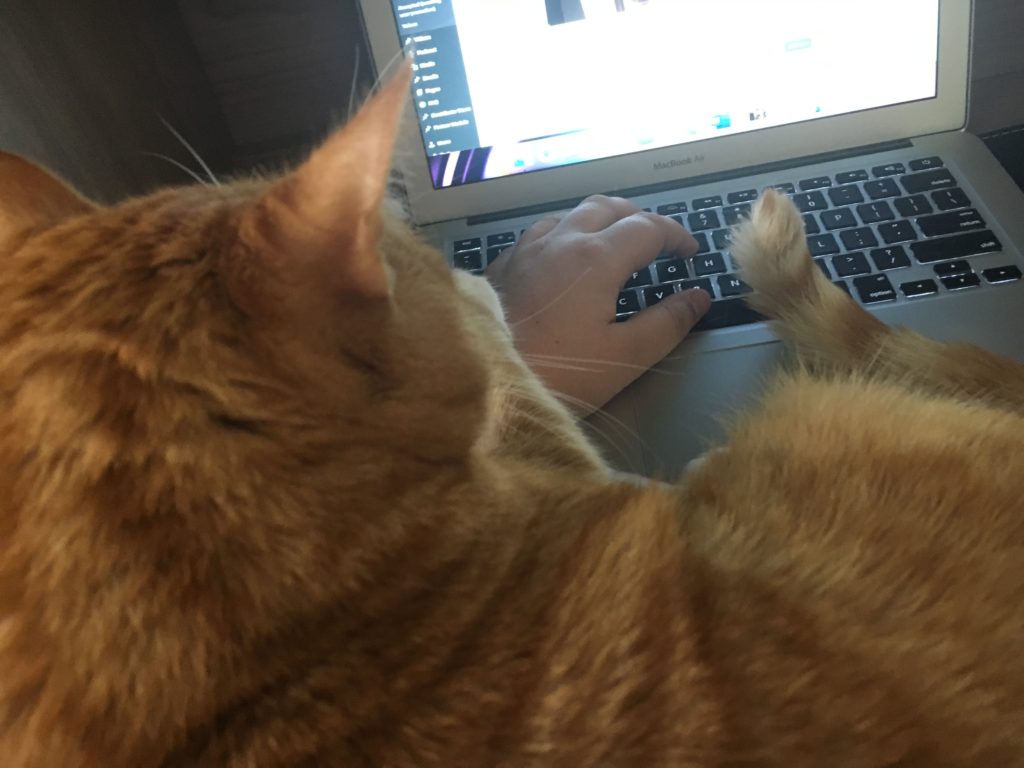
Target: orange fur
{"type": "Point", "coordinates": [277, 491]}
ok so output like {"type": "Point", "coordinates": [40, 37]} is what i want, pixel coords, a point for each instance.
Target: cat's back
{"type": "Point", "coordinates": [864, 542]}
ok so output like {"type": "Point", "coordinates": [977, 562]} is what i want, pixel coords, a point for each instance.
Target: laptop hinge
{"type": "Point", "coordinates": [693, 181]}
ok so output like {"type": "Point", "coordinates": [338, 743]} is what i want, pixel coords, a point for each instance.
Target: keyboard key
{"type": "Point", "coordinates": [950, 199]}
{"type": "Point", "coordinates": [915, 205]}
{"type": "Point", "coordinates": [818, 182]}
{"type": "Point", "coordinates": [703, 246]}
{"type": "Point", "coordinates": [961, 282]}
{"type": "Point", "coordinates": [743, 196]}
{"type": "Point", "coordinates": [897, 232]}
{"type": "Point", "coordinates": [1009, 274]}
{"type": "Point", "coordinates": [951, 268]}
{"type": "Point", "coordinates": [892, 169]}
{"type": "Point", "coordinates": [720, 239]}
{"type": "Point", "coordinates": [640, 279]}
{"type": "Point", "coordinates": [628, 301]}
{"type": "Point", "coordinates": [956, 247]}
{"type": "Point", "coordinates": [469, 244]}
{"type": "Point", "coordinates": [727, 313]}
{"type": "Point", "coordinates": [872, 213]}
{"type": "Point", "coordinates": [951, 223]}
{"type": "Point", "coordinates": [788, 188]}
{"type": "Point", "coordinates": [822, 245]}
{"type": "Point", "coordinates": [707, 202]}
{"type": "Point", "coordinates": [669, 208]}
{"type": "Point", "coordinates": [917, 288]}
{"type": "Point", "coordinates": [851, 176]}
{"type": "Point", "coordinates": [927, 181]}
{"type": "Point", "coordinates": [710, 264]}
{"type": "Point", "coordinates": [894, 257]}
{"type": "Point", "coordinates": [504, 238]}
{"type": "Point", "coordinates": [811, 224]}
{"type": "Point", "coordinates": [811, 201]}
{"type": "Point", "coordinates": [730, 285]}
{"type": "Point", "coordinates": [839, 219]}
{"type": "Point", "coordinates": [882, 188]}
{"type": "Point", "coordinates": [850, 264]}
{"type": "Point", "coordinates": [848, 194]}
{"type": "Point", "coordinates": [702, 220]}
{"type": "Point", "coordinates": [858, 239]}
{"type": "Point", "coordinates": [735, 213]}
{"type": "Point", "coordinates": [470, 260]}
{"type": "Point", "coordinates": [653, 295]}
{"type": "Point", "coordinates": [621, 317]}
{"type": "Point", "coordinates": [672, 269]}
{"type": "Point", "coordinates": [688, 285]}
{"type": "Point", "coordinates": [823, 267]}
{"type": "Point", "coordinates": [842, 284]}
{"type": "Point", "coordinates": [926, 164]}
{"type": "Point", "coordinates": [874, 289]}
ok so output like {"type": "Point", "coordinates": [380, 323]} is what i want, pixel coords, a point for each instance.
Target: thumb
{"type": "Point", "coordinates": [657, 331]}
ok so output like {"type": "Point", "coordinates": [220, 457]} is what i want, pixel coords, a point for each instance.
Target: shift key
{"type": "Point", "coordinates": [956, 247]}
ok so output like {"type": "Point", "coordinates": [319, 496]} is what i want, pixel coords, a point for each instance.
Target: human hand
{"type": "Point", "coordinates": [559, 286]}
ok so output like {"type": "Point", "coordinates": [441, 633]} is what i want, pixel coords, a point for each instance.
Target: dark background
{"type": "Point", "coordinates": [255, 83]}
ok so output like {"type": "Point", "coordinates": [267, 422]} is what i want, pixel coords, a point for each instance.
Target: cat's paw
{"type": "Point", "coordinates": [770, 249]}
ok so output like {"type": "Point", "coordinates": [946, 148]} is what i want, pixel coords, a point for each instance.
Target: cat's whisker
{"type": "Point", "coordinates": [180, 166]}
{"type": "Point", "coordinates": [355, 85]}
{"type": "Point", "coordinates": [570, 401]}
{"type": "Point", "coordinates": [558, 365]}
{"type": "Point", "coordinates": [616, 441]}
{"type": "Point", "coordinates": [192, 151]}
{"type": "Point", "coordinates": [385, 71]}
{"type": "Point", "coordinates": [551, 303]}
{"type": "Point", "coordinates": [551, 360]}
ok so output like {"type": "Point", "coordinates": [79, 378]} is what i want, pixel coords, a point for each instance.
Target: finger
{"type": "Point", "coordinates": [496, 269]}
{"type": "Point", "coordinates": [637, 240]}
{"type": "Point", "coordinates": [653, 333]}
{"type": "Point", "coordinates": [596, 213]}
{"type": "Point", "coordinates": [539, 229]}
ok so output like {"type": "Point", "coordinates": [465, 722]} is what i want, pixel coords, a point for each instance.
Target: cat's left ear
{"type": "Point", "coordinates": [323, 220]}
{"type": "Point", "coordinates": [32, 199]}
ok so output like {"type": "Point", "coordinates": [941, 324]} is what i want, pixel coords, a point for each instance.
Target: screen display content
{"type": "Point", "coordinates": [505, 87]}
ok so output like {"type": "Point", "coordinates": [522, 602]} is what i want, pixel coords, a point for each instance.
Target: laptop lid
{"type": "Point", "coordinates": [521, 102]}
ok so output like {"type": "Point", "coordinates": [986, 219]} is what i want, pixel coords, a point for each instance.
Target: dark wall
{"type": "Point", "coordinates": [282, 70]}
{"type": "Point", "coordinates": [84, 85]}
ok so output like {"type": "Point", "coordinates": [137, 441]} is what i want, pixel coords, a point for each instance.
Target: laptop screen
{"type": "Point", "coordinates": [507, 87]}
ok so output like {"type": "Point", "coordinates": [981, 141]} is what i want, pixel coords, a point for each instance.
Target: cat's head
{"type": "Point", "coordinates": [223, 411]}
{"type": "Point", "coordinates": [282, 327]}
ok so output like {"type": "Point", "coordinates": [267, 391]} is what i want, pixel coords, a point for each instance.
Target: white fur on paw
{"type": "Point", "coordinates": [771, 250]}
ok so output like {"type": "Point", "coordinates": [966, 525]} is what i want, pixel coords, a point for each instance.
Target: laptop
{"type": "Point", "coordinates": [690, 107]}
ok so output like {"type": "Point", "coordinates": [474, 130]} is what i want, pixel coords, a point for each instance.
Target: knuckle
{"type": "Point", "coordinates": [597, 200]}
{"type": "Point", "coordinates": [651, 221]}
{"type": "Point", "coordinates": [544, 224]}
{"type": "Point", "coordinates": [591, 248]}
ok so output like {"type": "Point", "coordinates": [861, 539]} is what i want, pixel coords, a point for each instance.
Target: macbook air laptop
{"type": "Point", "coordinates": [689, 108]}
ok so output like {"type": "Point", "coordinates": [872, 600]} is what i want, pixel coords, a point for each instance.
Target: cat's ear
{"type": "Point", "coordinates": [324, 218]}
{"type": "Point", "coordinates": [31, 198]}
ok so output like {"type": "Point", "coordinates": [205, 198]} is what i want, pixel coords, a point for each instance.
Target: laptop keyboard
{"type": "Point", "coordinates": [863, 227]}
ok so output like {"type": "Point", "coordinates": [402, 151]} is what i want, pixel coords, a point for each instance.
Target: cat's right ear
{"type": "Point", "coordinates": [32, 199]}
{"type": "Point", "coordinates": [319, 226]}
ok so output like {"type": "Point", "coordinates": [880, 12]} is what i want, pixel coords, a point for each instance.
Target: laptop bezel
{"type": "Point", "coordinates": [946, 112]}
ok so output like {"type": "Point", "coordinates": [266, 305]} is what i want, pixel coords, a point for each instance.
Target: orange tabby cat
{"type": "Point", "coordinates": [278, 491]}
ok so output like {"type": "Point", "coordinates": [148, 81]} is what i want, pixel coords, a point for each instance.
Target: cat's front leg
{"type": "Point", "coordinates": [828, 329]}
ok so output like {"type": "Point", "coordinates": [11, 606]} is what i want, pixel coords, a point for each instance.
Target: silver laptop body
{"type": "Point", "coordinates": [821, 117]}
